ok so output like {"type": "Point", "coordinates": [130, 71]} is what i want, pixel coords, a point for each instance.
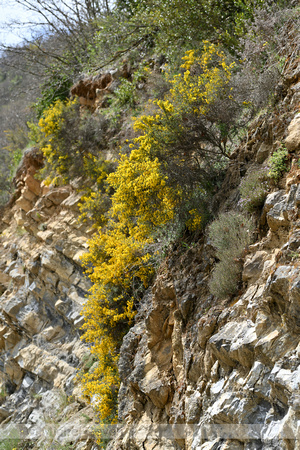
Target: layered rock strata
{"type": "Point", "coordinates": [198, 373]}
{"type": "Point", "coordinates": [43, 289]}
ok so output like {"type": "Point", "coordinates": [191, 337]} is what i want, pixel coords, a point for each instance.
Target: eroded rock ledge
{"type": "Point", "coordinates": [43, 289]}
{"type": "Point", "coordinates": [191, 365]}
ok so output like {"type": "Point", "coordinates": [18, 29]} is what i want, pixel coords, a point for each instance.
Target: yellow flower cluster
{"type": "Point", "coordinates": [116, 260]}
{"type": "Point", "coordinates": [57, 161]}
{"type": "Point", "coordinates": [141, 192]}
{"type": "Point", "coordinates": [199, 89]}
{"type": "Point", "coordinates": [194, 222]}
{"type": "Point", "coordinates": [102, 383]}
{"type": "Point", "coordinates": [51, 121]}
{"type": "Point", "coordinates": [92, 205]}
{"type": "Point", "coordinates": [143, 200]}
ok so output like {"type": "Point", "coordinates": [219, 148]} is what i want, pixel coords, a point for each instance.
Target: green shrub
{"type": "Point", "coordinates": [125, 94]}
{"type": "Point", "coordinates": [55, 87]}
{"type": "Point", "coordinates": [254, 189]}
{"type": "Point", "coordinates": [230, 234]}
{"type": "Point", "coordinates": [278, 163]}
{"type": "Point", "coordinates": [11, 442]}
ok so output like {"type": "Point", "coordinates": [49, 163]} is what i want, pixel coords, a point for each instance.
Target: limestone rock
{"type": "Point", "coordinates": [153, 386]}
{"type": "Point", "coordinates": [263, 153]}
{"type": "Point", "coordinates": [58, 195]}
{"type": "Point", "coordinates": [235, 342]}
{"type": "Point", "coordinates": [24, 204]}
{"type": "Point", "coordinates": [33, 185]}
{"type": "Point", "coordinates": [254, 265]}
{"type": "Point", "coordinates": [20, 217]}
{"type": "Point", "coordinates": [292, 141]}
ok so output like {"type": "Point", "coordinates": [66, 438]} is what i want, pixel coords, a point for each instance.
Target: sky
{"type": "Point", "coordinates": [10, 11]}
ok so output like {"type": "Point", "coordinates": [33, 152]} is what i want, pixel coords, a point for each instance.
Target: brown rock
{"type": "Point", "coordinates": [87, 88]}
{"type": "Point", "coordinates": [32, 322]}
{"type": "Point", "coordinates": [26, 193]}
{"type": "Point", "coordinates": [153, 386]}
{"type": "Point", "coordinates": [24, 204]}
{"type": "Point", "coordinates": [20, 217]}
{"type": "Point", "coordinates": [11, 339]}
{"type": "Point", "coordinates": [254, 265]}
{"type": "Point", "coordinates": [292, 141]}
{"type": "Point", "coordinates": [13, 370]}
{"type": "Point", "coordinates": [58, 195]}
{"type": "Point", "coordinates": [33, 185]}
{"type": "Point", "coordinates": [263, 152]}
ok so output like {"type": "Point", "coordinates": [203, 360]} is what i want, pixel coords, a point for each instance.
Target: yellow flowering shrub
{"type": "Point", "coordinates": [203, 80]}
{"type": "Point", "coordinates": [71, 143]}
{"type": "Point", "coordinates": [50, 124]}
{"type": "Point", "coordinates": [166, 175]}
{"type": "Point", "coordinates": [95, 201]}
{"type": "Point", "coordinates": [193, 121]}
{"type": "Point", "coordinates": [120, 268]}
{"type": "Point", "coordinates": [101, 385]}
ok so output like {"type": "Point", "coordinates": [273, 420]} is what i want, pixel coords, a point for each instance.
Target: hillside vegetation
{"type": "Point", "coordinates": [148, 157]}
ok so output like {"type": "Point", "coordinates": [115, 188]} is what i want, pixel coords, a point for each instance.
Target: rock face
{"type": "Point", "coordinates": [43, 289]}
{"type": "Point", "coordinates": [92, 91]}
{"type": "Point", "coordinates": [198, 373]}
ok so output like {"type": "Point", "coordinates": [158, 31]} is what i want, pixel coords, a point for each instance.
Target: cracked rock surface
{"type": "Point", "coordinates": [200, 373]}
{"type": "Point", "coordinates": [43, 290]}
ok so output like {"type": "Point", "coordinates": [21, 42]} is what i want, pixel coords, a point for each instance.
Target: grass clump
{"type": "Point", "coordinates": [230, 234]}
{"type": "Point", "coordinates": [254, 189]}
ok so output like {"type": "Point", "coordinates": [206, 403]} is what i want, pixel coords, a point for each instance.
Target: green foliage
{"type": "Point", "coordinates": [16, 159]}
{"type": "Point", "coordinates": [9, 444]}
{"type": "Point", "coordinates": [230, 234]}
{"type": "Point", "coordinates": [16, 141]}
{"type": "Point", "coordinates": [3, 393]}
{"type": "Point", "coordinates": [125, 94]}
{"type": "Point", "coordinates": [88, 361]}
{"type": "Point", "coordinates": [278, 163]}
{"type": "Point", "coordinates": [95, 203]}
{"type": "Point", "coordinates": [193, 21]}
{"type": "Point", "coordinates": [56, 87]}
{"type": "Point", "coordinates": [225, 279]}
{"type": "Point", "coordinates": [130, 6]}
{"type": "Point", "coordinates": [254, 189]}
{"type": "Point", "coordinates": [164, 26]}
{"type": "Point", "coordinates": [5, 185]}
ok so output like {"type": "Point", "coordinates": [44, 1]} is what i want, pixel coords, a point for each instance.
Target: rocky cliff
{"type": "Point", "coordinates": [197, 372]}
{"type": "Point", "coordinates": [43, 289]}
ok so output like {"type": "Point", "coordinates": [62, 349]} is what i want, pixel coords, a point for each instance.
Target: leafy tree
{"type": "Point", "coordinates": [166, 25]}
{"type": "Point", "coordinates": [60, 45]}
